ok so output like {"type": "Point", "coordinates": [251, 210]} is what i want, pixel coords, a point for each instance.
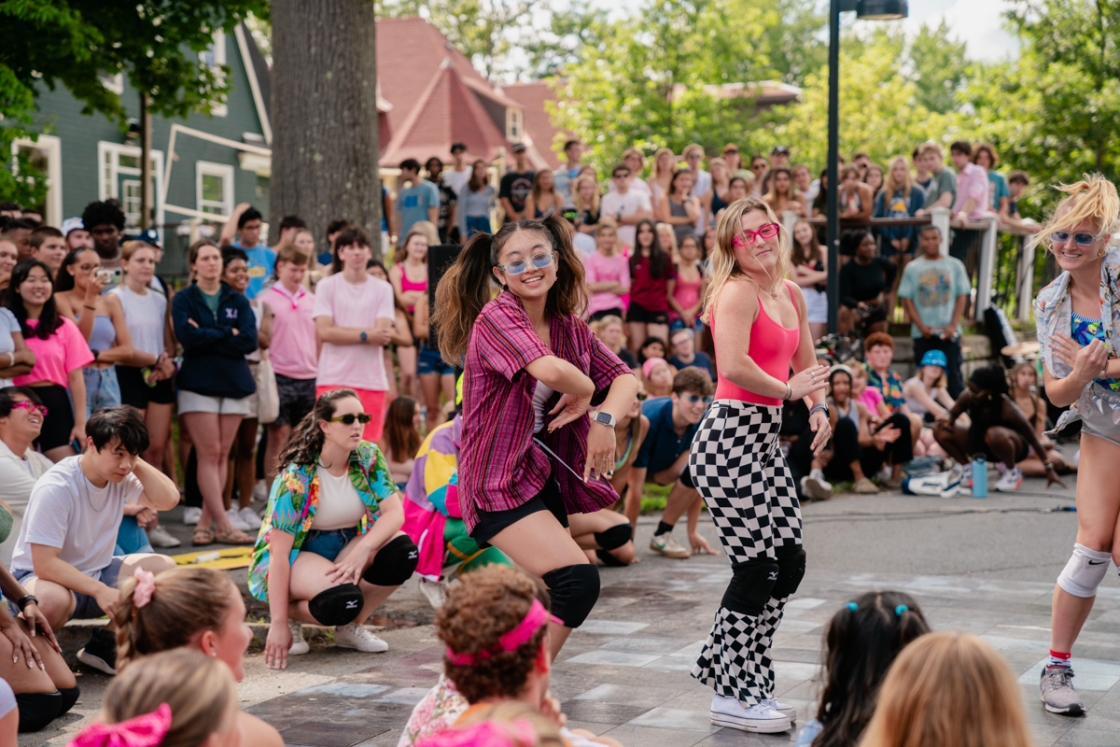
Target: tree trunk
{"type": "Point", "coordinates": [324, 115]}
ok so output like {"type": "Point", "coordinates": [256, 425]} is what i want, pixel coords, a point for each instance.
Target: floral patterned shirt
{"type": "Point", "coordinates": [295, 498]}
{"type": "Point", "coordinates": [890, 386]}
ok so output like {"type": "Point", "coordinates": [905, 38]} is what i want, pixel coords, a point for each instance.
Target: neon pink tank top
{"type": "Point", "coordinates": [408, 285]}
{"type": "Point", "coordinates": [686, 293]}
{"type": "Point", "coordinates": [772, 348]}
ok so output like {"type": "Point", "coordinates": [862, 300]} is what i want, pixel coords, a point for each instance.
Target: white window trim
{"type": "Point", "coordinates": [225, 172]}
{"type": "Point", "coordinates": [117, 150]}
{"type": "Point", "coordinates": [114, 82]}
{"type": "Point", "coordinates": [51, 147]}
{"type": "Point", "coordinates": [219, 110]}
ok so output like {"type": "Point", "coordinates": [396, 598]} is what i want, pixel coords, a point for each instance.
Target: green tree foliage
{"type": "Point", "coordinates": [939, 67]}
{"type": "Point", "coordinates": [77, 43]}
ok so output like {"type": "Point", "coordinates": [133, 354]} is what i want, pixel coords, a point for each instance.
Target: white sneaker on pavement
{"type": "Point", "coordinates": [300, 646]}
{"type": "Point", "coordinates": [159, 537]}
{"type": "Point", "coordinates": [249, 516]}
{"type": "Point", "coordinates": [360, 638]}
{"type": "Point", "coordinates": [260, 491]}
{"type": "Point", "coordinates": [759, 718]}
{"type": "Point", "coordinates": [669, 547]}
{"type": "Point", "coordinates": [815, 486]}
{"type": "Point", "coordinates": [235, 519]}
{"type": "Point", "coordinates": [434, 591]}
{"type": "Point", "coordinates": [1011, 480]}
{"type": "Point", "coordinates": [783, 708]}
{"type": "Point", "coordinates": [191, 515]}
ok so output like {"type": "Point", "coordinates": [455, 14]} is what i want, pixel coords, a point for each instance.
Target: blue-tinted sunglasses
{"type": "Point", "coordinates": [518, 266]}
{"type": "Point", "coordinates": [692, 399]}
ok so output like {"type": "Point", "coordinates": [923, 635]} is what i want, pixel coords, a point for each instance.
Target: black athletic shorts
{"type": "Point", "coordinates": [135, 392]}
{"type": "Point", "coordinates": [644, 316]}
{"type": "Point", "coordinates": [548, 499]}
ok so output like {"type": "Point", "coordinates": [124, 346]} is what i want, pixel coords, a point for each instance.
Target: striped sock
{"type": "Point", "coordinates": [1059, 659]}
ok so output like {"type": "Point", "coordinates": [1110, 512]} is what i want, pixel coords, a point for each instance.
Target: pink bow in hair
{"type": "Point", "coordinates": [145, 587]}
{"type": "Point", "coordinates": [143, 731]}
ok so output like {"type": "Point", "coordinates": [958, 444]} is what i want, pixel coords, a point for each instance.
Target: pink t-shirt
{"type": "Point", "coordinates": [355, 306]}
{"type": "Point", "coordinates": [871, 397]}
{"type": "Point", "coordinates": [56, 356]}
{"type": "Point", "coordinates": [972, 182]}
{"type": "Point", "coordinates": [293, 347]}
{"type": "Point", "coordinates": [600, 269]}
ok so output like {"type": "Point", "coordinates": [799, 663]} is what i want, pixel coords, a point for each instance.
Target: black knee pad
{"type": "Point", "coordinates": [615, 537]}
{"type": "Point", "coordinates": [791, 569]}
{"type": "Point", "coordinates": [609, 560]}
{"type": "Point", "coordinates": [750, 587]}
{"type": "Point", "coordinates": [686, 477]}
{"type": "Point", "coordinates": [339, 605]}
{"type": "Point", "coordinates": [69, 698]}
{"type": "Point", "coordinates": [36, 710]}
{"type": "Point", "coordinates": [574, 590]}
{"type": "Point", "coordinates": [394, 563]}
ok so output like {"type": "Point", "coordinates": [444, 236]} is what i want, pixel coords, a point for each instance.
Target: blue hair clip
{"type": "Point", "coordinates": [900, 609]}
{"type": "Point", "coordinates": [853, 606]}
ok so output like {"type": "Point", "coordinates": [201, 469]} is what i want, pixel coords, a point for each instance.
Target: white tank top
{"type": "Point", "coordinates": [340, 506]}
{"type": "Point", "coordinates": [144, 316]}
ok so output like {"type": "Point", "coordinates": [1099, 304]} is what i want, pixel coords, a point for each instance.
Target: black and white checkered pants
{"type": "Point", "coordinates": [740, 472]}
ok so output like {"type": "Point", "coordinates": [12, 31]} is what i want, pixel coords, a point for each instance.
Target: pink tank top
{"type": "Point", "coordinates": [408, 285]}
{"type": "Point", "coordinates": [772, 348]}
{"type": "Point", "coordinates": [686, 293]}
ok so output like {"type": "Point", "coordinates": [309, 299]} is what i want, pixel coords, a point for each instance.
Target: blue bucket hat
{"type": "Point", "coordinates": [935, 358]}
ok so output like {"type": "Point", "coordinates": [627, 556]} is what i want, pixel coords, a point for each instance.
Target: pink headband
{"type": "Point", "coordinates": [147, 730]}
{"type": "Point", "coordinates": [647, 367]}
{"type": "Point", "coordinates": [511, 641]}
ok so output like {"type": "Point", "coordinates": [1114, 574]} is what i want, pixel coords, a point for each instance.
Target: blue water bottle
{"type": "Point", "coordinates": [979, 476]}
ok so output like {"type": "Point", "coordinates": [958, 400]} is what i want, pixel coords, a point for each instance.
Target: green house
{"type": "Point", "coordinates": [202, 166]}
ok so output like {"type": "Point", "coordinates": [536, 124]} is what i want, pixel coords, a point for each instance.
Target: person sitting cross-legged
{"type": "Point", "coordinates": [331, 548]}
{"type": "Point", "coordinates": [64, 554]}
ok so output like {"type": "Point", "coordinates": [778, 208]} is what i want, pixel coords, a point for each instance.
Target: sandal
{"type": "Point", "coordinates": [234, 536]}
{"type": "Point", "coordinates": [202, 536]}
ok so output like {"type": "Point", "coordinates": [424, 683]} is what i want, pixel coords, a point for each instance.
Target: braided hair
{"type": "Point", "coordinates": [306, 441]}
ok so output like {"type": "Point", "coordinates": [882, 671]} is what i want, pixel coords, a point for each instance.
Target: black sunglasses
{"type": "Point", "coordinates": [349, 418]}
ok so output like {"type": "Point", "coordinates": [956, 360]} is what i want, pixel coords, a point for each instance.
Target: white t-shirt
{"type": "Point", "coordinates": [9, 325]}
{"type": "Point", "coordinates": [457, 179]}
{"type": "Point", "coordinates": [67, 511]}
{"type": "Point", "coordinates": [356, 306]}
{"type": "Point", "coordinates": [630, 203]}
{"type": "Point", "coordinates": [144, 316]}
{"type": "Point", "coordinates": [700, 189]}
{"type": "Point", "coordinates": [340, 506]}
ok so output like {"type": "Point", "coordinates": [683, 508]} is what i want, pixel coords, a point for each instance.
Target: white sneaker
{"type": "Point", "coordinates": [783, 708]}
{"type": "Point", "coordinates": [1010, 481]}
{"type": "Point", "coordinates": [434, 591]}
{"type": "Point", "coordinates": [191, 515]}
{"type": "Point", "coordinates": [299, 645]}
{"type": "Point", "coordinates": [159, 537]}
{"type": "Point", "coordinates": [360, 638]}
{"type": "Point", "coordinates": [260, 491]}
{"type": "Point", "coordinates": [235, 519]}
{"type": "Point", "coordinates": [759, 718]}
{"type": "Point", "coordinates": [815, 486]}
{"type": "Point", "coordinates": [249, 516]}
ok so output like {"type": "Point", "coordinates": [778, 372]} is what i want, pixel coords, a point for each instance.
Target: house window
{"type": "Point", "coordinates": [119, 177]}
{"type": "Point", "coordinates": [214, 188]}
{"type": "Point", "coordinates": [214, 57]}
{"type": "Point", "coordinates": [514, 131]}
{"type": "Point", "coordinates": [46, 155]}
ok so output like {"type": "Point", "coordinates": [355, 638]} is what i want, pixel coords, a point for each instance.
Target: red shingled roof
{"type": "Point", "coordinates": [539, 130]}
{"type": "Point", "coordinates": [437, 96]}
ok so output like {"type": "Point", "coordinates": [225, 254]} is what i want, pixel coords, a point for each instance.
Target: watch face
{"type": "Point", "coordinates": [603, 418]}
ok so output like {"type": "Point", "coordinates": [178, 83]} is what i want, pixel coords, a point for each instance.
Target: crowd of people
{"type": "Point", "coordinates": [316, 385]}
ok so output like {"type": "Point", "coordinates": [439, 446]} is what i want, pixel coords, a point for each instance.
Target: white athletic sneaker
{"type": "Point", "coordinates": [815, 486]}
{"type": "Point", "coordinates": [235, 519]}
{"type": "Point", "coordinates": [434, 591]}
{"type": "Point", "coordinates": [783, 708]}
{"type": "Point", "coordinates": [159, 537]}
{"type": "Point", "coordinates": [759, 719]}
{"type": "Point", "coordinates": [249, 516]}
{"type": "Point", "coordinates": [260, 491]}
{"type": "Point", "coordinates": [191, 515]}
{"type": "Point", "coordinates": [299, 645]}
{"type": "Point", "coordinates": [360, 638]}
{"type": "Point", "coordinates": [1010, 481]}
{"type": "Point", "coordinates": [960, 477]}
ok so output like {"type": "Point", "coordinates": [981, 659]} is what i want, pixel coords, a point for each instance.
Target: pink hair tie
{"type": "Point", "coordinates": [521, 634]}
{"type": "Point", "coordinates": [145, 587]}
{"type": "Point", "coordinates": [147, 730]}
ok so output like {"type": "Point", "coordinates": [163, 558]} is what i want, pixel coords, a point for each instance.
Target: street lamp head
{"type": "Point", "coordinates": [882, 10]}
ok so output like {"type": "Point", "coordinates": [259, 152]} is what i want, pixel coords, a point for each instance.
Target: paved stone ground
{"type": "Point", "coordinates": [983, 566]}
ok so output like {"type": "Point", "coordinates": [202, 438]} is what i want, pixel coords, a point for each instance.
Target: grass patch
{"type": "Point", "coordinates": [654, 496]}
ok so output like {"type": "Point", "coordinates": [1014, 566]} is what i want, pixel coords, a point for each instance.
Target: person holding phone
{"type": "Point", "coordinates": [100, 319]}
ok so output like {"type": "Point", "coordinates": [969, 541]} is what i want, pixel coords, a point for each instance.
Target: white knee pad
{"type": "Point", "coordinates": [1084, 571]}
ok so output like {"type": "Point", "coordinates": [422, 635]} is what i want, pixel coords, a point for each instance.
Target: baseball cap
{"type": "Point", "coordinates": [72, 224]}
{"type": "Point", "coordinates": [149, 236]}
{"type": "Point", "coordinates": [518, 148]}
{"type": "Point", "coordinates": [780, 150]}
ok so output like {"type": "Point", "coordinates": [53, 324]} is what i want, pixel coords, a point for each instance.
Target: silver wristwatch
{"type": "Point", "coordinates": [605, 418]}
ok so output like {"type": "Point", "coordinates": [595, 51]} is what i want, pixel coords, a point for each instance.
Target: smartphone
{"type": "Point", "coordinates": [110, 275]}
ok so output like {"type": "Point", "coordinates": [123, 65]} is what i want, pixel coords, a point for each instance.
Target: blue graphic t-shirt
{"type": "Point", "coordinates": [1086, 330]}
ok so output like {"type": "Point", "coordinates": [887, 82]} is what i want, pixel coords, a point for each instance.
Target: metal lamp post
{"type": "Point", "coordinates": [871, 10]}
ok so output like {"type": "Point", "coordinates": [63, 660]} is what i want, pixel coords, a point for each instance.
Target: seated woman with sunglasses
{"type": "Point", "coordinates": [331, 547]}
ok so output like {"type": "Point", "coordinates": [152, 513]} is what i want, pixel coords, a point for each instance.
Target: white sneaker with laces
{"type": "Point", "coordinates": [191, 515]}
{"type": "Point", "coordinates": [260, 491]}
{"type": "Point", "coordinates": [1010, 481]}
{"type": "Point", "coordinates": [783, 708]}
{"type": "Point", "coordinates": [815, 486]}
{"type": "Point", "coordinates": [434, 591]}
{"type": "Point", "coordinates": [299, 645]}
{"type": "Point", "coordinates": [249, 516]}
{"type": "Point", "coordinates": [159, 537]}
{"type": "Point", "coordinates": [759, 718]}
{"type": "Point", "coordinates": [235, 519]}
{"type": "Point", "coordinates": [360, 638]}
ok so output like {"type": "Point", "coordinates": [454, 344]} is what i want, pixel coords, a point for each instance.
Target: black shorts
{"type": "Point", "coordinates": [297, 399]}
{"type": "Point", "coordinates": [548, 499]}
{"type": "Point", "coordinates": [643, 316]}
{"type": "Point", "coordinates": [135, 392]}
{"type": "Point", "coordinates": [605, 312]}
{"type": "Point", "coordinates": [59, 420]}
{"type": "Point", "coordinates": [977, 445]}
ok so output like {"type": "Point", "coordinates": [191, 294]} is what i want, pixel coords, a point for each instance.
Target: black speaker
{"type": "Point", "coordinates": [440, 257]}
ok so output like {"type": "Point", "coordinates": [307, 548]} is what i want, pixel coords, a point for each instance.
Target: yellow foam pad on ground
{"type": "Point", "coordinates": [232, 557]}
